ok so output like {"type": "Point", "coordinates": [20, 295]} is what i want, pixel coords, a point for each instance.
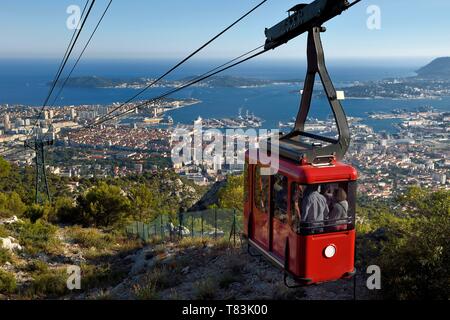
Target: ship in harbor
{"type": "Point", "coordinates": [248, 120]}
{"type": "Point", "coordinates": [158, 120]}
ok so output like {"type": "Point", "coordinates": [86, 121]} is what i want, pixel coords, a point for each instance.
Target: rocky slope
{"type": "Point", "coordinates": [216, 270]}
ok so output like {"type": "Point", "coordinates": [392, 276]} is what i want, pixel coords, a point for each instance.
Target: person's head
{"type": "Point", "coordinates": [326, 189]}
{"type": "Point", "coordinates": [340, 195]}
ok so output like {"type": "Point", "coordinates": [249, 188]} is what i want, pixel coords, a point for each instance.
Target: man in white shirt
{"type": "Point", "coordinates": [314, 206]}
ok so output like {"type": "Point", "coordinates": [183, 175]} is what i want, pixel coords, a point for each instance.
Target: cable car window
{"type": "Point", "coordinates": [246, 184]}
{"type": "Point", "coordinates": [280, 197]}
{"type": "Point", "coordinates": [323, 208]}
{"type": "Point", "coordinates": [261, 191]}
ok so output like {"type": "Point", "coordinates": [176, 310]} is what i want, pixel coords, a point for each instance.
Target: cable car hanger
{"type": "Point", "coordinates": [309, 18]}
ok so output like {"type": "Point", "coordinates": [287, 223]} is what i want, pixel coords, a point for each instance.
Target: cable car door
{"type": "Point", "coordinates": [261, 208]}
{"type": "Point", "coordinates": [279, 225]}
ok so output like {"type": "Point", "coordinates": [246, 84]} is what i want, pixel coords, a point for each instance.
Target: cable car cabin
{"type": "Point", "coordinates": [303, 218]}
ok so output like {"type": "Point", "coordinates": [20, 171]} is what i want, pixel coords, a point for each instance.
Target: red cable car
{"type": "Point", "coordinates": [303, 217]}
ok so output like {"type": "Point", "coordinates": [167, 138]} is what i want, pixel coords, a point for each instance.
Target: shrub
{"type": "Point", "coordinates": [5, 168]}
{"type": "Point", "coordinates": [7, 282]}
{"type": "Point", "coordinates": [232, 195]}
{"type": "Point", "coordinates": [5, 256]}
{"type": "Point", "coordinates": [205, 289]}
{"type": "Point", "coordinates": [100, 276]}
{"type": "Point", "coordinates": [11, 204]}
{"type": "Point", "coordinates": [36, 267]}
{"type": "Point", "coordinates": [161, 278]}
{"type": "Point", "coordinates": [50, 283]}
{"type": "Point", "coordinates": [3, 232]}
{"type": "Point", "coordinates": [147, 291]}
{"type": "Point", "coordinates": [188, 242]}
{"type": "Point", "coordinates": [36, 212]}
{"type": "Point", "coordinates": [236, 265]}
{"type": "Point", "coordinates": [416, 265]}
{"type": "Point", "coordinates": [227, 278]}
{"type": "Point", "coordinates": [411, 246]}
{"type": "Point", "coordinates": [89, 237]}
{"type": "Point", "coordinates": [103, 206]}
{"type": "Point", "coordinates": [37, 237]}
{"type": "Point", "coordinates": [64, 211]}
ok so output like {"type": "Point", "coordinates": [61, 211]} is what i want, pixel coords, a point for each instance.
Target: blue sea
{"type": "Point", "coordinates": [25, 82]}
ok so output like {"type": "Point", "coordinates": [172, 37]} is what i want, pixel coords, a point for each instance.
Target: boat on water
{"type": "Point", "coordinates": [153, 120]}
{"type": "Point", "coordinates": [158, 120]}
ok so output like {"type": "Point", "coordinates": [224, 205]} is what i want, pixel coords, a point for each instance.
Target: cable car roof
{"type": "Point", "coordinates": [311, 174]}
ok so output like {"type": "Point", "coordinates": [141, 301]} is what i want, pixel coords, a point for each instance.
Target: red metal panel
{"type": "Point", "coordinates": [309, 174]}
{"type": "Point", "coordinates": [320, 268]}
{"type": "Point", "coordinates": [281, 231]}
{"type": "Point", "coordinates": [260, 228]}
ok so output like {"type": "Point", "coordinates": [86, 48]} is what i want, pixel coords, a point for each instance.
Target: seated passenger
{"type": "Point", "coordinates": [314, 207]}
{"type": "Point", "coordinates": [340, 209]}
{"type": "Point", "coordinates": [327, 191]}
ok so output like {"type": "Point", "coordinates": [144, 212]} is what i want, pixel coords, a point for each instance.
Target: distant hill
{"type": "Point", "coordinates": [215, 81]}
{"type": "Point", "coordinates": [88, 82]}
{"type": "Point", "coordinates": [438, 68]}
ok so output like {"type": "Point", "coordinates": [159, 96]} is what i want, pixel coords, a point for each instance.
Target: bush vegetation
{"type": "Point", "coordinates": [205, 289]}
{"type": "Point", "coordinates": [408, 238]}
{"type": "Point", "coordinates": [5, 256]}
{"type": "Point", "coordinates": [36, 237]}
{"type": "Point", "coordinates": [7, 282]}
{"type": "Point", "coordinates": [410, 245]}
{"type": "Point", "coordinates": [48, 283]}
{"type": "Point", "coordinates": [90, 237]}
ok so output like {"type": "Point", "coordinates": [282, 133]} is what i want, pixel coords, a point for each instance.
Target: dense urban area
{"type": "Point", "coordinates": [418, 154]}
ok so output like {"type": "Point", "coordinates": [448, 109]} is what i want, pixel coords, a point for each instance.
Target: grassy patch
{"type": "Point", "coordinates": [156, 280]}
{"type": "Point", "coordinates": [49, 283]}
{"type": "Point", "coordinates": [205, 289]}
{"type": "Point", "coordinates": [227, 278]}
{"type": "Point", "coordinates": [233, 269]}
{"type": "Point", "coordinates": [100, 276]}
{"type": "Point", "coordinates": [221, 243]}
{"type": "Point", "coordinates": [90, 237]}
{"type": "Point", "coordinates": [37, 237]}
{"type": "Point", "coordinates": [7, 282]}
{"type": "Point", "coordinates": [235, 265]}
{"type": "Point", "coordinates": [5, 256]}
{"type": "Point", "coordinates": [162, 277]}
{"type": "Point", "coordinates": [36, 267]}
{"type": "Point", "coordinates": [147, 291]}
{"type": "Point", "coordinates": [188, 242]}
{"type": "Point", "coordinates": [4, 233]}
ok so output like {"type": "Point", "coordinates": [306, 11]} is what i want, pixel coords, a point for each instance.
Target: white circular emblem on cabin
{"type": "Point", "coordinates": [330, 251]}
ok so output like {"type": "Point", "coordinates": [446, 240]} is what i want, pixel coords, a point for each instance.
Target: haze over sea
{"type": "Point", "coordinates": [25, 82]}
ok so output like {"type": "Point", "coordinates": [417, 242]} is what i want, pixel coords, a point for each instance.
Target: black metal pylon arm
{"type": "Point", "coordinates": [316, 65]}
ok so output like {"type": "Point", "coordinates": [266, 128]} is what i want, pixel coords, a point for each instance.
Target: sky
{"type": "Point", "coordinates": [168, 29]}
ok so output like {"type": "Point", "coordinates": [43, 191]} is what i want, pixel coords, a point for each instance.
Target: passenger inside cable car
{"type": "Point", "coordinates": [322, 208]}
